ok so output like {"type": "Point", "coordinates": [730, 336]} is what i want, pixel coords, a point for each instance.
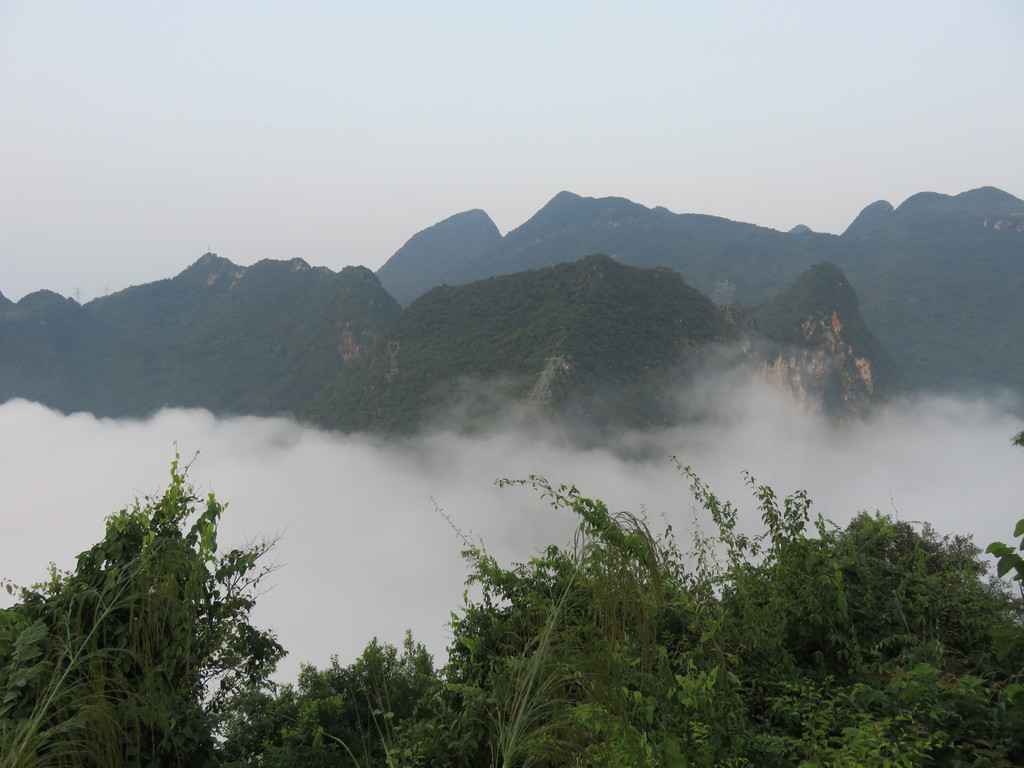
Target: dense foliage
{"type": "Point", "coordinates": [133, 658]}
{"type": "Point", "coordinates": [802, 645]}
{"type": "Point", "coordinates": [799, 644]}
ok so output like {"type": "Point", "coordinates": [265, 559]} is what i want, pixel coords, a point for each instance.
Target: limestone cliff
{"type": "Point", "coordinates": [817, 343]}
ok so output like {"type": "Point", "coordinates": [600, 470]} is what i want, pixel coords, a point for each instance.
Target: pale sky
{"type": "Point", "coordinates": [136, 136]}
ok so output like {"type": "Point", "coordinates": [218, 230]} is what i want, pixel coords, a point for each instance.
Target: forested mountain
{"type": "Point", "coordinates": [941, 280]}
{"type": "Point", "coordinates": [591, 344]}
{"type": "Point", "coordinates": [596, 343]}
{"type": "Point", "coordinates": [256, 340]}
{"type": "Point", "coordinates": [601, 335]}
{"type": "Point", "coordinates": [939, 277]}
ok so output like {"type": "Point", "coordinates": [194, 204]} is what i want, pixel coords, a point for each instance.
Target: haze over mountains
{"type": "Point", "coordinates": [232, 339]}
{"type": "Point", "coordinates": [939, 277]}
{"type": "Point", "coordinates": [926, 293]}
{"type": "Point", "coordinates": [238, 339]}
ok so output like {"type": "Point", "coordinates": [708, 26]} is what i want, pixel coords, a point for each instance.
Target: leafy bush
{"type": "Point", "coordinates": [804, 644]}
{"type": "Point", "coordinates": [131, 659]}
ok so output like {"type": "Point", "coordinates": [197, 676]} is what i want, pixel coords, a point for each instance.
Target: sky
{"type": "Point", "coordinates": [366, 545]}
{"type": "Point", "coordinates": [137, 136]}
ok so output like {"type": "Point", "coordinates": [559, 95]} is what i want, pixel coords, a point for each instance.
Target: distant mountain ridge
{"type": "Point", "coordinates": [939, 277]}
{"type": "Point", "coordinates": [986, 206]}
{"type": "Point", "coordinates": [424, 259]}
{"type": "Point", "coordinates": [939, 280]}
{"type": "Point", "coordinates": [250, 340]}
{"type": "Point", "coordinates": [593, 344]}
{"type": "Point", "coordinates": [569, 227]}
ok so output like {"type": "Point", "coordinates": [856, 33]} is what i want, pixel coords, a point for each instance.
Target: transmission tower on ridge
{"type": "Point", "coordinates": [393, 354]}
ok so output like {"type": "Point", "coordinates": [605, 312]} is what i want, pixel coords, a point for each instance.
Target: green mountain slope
{"type": "Point", "coordinates": [593, 344]}
{"type": "Point", "coordinates": [256, 340]}
{"type": "Point", "coordinates": [607, 333]}
{"type": "Point", "coordinates": [940, 281]}
{"type": "Point", "coordinates": [43, 347]}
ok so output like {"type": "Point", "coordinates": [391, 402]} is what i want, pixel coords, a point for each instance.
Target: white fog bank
{"type": "Point", "coordinates": [364, 551]}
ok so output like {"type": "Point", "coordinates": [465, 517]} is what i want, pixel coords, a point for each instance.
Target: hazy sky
{"type": "Point", "coordinates": [365, 552]}
{"type": "Point", "coordinates": [135, 136]}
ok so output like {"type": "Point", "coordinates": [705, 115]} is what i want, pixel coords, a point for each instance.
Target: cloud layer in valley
{"type": "Point", "coordinates": [364, 550]}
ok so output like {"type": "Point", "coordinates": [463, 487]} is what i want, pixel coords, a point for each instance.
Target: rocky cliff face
{"type": "Point", "coordinates": [815, 341]}
{"type": "Point", "coordinates": [827, 372]}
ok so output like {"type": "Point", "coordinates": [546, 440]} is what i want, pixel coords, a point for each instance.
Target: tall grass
{"type": "Point", "coordinates": [74, 718]}
{"type": "Point", "coordinates": [611, 590]}
{"type": "Point", "coordinates": [525, 719]}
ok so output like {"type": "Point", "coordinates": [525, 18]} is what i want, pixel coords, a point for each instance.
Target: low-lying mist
{"type": "Point", "coordinates": [364, 550]}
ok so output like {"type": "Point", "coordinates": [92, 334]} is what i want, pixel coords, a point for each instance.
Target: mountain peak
{"type": "Point", "coordinates": [870, 219]}
{"type": "Point", "coordinates": [208, 260]}
{"type": "Point", "coordinates": [932, 208]}
{"type": "Point", "coordinates": [563, 198]}
{"type": "Point", "coordinates": [989, 196]}
{"type": "Point", "coordinates": [571, 204]}
{"type": "Point", "coordinates": [567, 211]}
{"type": "Point", "coordinates": [44, 298]}
{"type": "Point", "coordinates": [434, 255]}
{"type": "Point", "coordinates": [821, 292]}
{"type": "Point", "coordinates": [921, 201]}
{"type": "Point", "coordinates": [208, 270]}
{"type": "Point", "coordinates": [972, 202]}
{"type": "Point", "coordinates": [824, 284]}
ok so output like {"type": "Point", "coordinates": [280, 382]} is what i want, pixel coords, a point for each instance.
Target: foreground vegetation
{"type": "Point", "coordinates": [805, 644]}
{"type": "Point", "coordinates": [133, 659]}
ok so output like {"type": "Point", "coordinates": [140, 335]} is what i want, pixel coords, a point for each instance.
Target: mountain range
{"type": "Point", "coordinates": [940, 277]}
{"type": "Point", "coordinates": [593, 313]}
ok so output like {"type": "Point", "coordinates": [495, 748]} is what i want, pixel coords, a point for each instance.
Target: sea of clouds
{"type": "Point", "coordinates": [365, 550]}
